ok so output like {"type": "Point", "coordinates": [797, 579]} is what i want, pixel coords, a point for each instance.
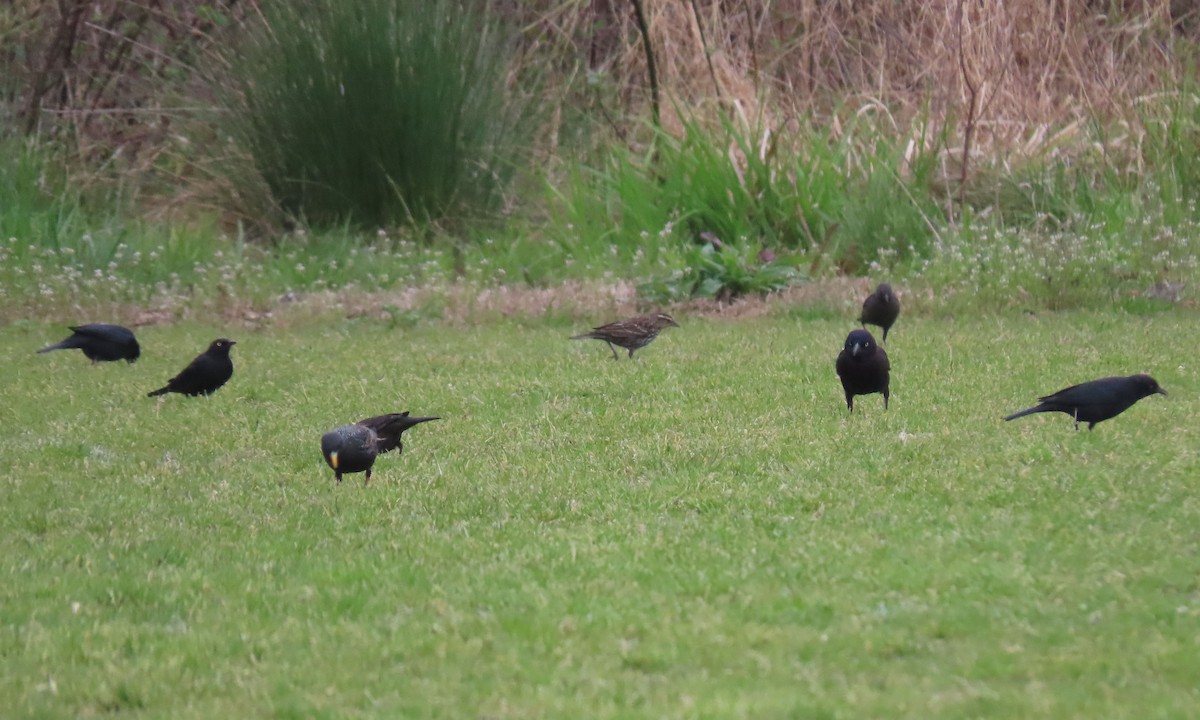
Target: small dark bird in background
{"type": "Point", "coordinates": [1096, 401]}
{"type": "Point", "coordinates": [353, 448]}
{"type": "Point", "coordinates": [636, 332]}
{"type": "Point", "coordinates": [101, 343]}
{"type": "Point", "coordinates": [863, 367]}
{"type": "Point", "coordinates": [881, 308]}
{"type": "Point", "coordinates": [203, 376]}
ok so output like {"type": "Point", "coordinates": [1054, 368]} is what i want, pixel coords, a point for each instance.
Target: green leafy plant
{"type": "Point", "coordinates": [722, 273]}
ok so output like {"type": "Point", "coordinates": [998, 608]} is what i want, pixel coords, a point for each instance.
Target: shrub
{"type": "Point", "coordinates": [377, 112]}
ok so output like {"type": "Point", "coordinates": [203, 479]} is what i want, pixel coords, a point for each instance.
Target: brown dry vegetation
{"type": "Point", "coordinates": [1012, 77]}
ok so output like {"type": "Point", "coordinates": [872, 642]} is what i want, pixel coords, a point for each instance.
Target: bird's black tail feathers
{"type": "Point", "coordinates": [161, 391]}
{"type": "Point", "coordinates": [64, 345]}
{"type": "Point", "coordinates": [1028, 411]}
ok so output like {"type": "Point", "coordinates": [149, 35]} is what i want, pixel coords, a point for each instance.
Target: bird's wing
{"type": "Point", "coordinates": [193, 368]}
{"type": "Point", "coordinates": [110, 333]}
{"type": "Point", "coordinates": [1088, 393]}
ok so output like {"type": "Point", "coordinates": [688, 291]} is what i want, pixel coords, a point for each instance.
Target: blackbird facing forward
{"type": "Point", "coordinates": [100, 343]}
{"type": "Point", "coordinates": [353, 448]}
{"type": "Point", "coordinates": [1096, 401]}
{"type": "Point", "coordinates": [881, 308]}
{"type": "Point", "coordinates": [203, 376]}
{"type": "Point", "coordinates": [632, 334]}
{"type": "Point", "coordinates": [863, 367]}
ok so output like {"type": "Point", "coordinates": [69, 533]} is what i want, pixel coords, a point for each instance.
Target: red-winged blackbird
{"type": "Point", "coordinates": [636, 332]}
{"type": "Point", "coordinates": [1096, 401]}
{"type": "Point", "coordinates": [353, 448]}
{"type": "Point", "coordinates": [101, 343]}
{"type": "Point", "coordinates": [863, 367]}
{"type": "Point", "coordinates": [880, 308]}
{"type": "Point", "coordinates": [203, 376]}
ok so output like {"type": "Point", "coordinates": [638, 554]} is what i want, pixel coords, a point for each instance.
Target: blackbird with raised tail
{"type": "Point", "coordinates": [631, 334]}
{"type": "Point", "coordinates": [353, 448]}
{"type": "Point", "coordinates": [205, 375]}
{"type": "Point", "coordinates": [863, 368]}
{"type": "Point", "coordinates": [1096, 401]}
{"type": "Point", "coordinates": [881, 308]}
{"type": "Point", "coordinates": [100, 343]}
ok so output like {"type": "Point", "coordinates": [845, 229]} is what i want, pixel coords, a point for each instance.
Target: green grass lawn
{"type": "Point", "coordinates": [701, 532]}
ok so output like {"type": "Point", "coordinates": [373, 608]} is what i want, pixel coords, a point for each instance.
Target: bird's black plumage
{"type": "Point", "coordinates": [863, 368]}
{"type": "Point", "coordinates": [632, 333]}
{"type": "Point", "coordinates": [1096, 401]}
{"type": "Point", "coordinates": [100, 343]}
{"type": "Point", "coordinates": [203, 376]}
{"type": "Point", "coordinates": [881, 308]}
{"type": "Point", "coordinates": [353, 448]}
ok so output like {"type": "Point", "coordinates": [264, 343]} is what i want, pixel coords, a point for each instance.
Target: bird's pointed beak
{"type": "Point", "coordinates": [333, 459]}
{"type": "Point", "coordinates": [1162, 392]}
{"type": "Point", "coordinates": [854, 349]}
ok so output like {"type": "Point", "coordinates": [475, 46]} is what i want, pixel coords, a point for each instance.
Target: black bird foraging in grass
{"type": "Point", "coordinates": [631, 334]}
{"type": "Point", "coordinates": [100, 343]}
{"type": "Point", "coordinates": [1096, 401]}
{"type": "Point", "coordinates": [203, 376]}
{"type": "Point", "coordinates": [863, 368]}
{"type": "Point", "coordinates": [353, 448]}
{"type": "Point", "coordinates": [881, 308]}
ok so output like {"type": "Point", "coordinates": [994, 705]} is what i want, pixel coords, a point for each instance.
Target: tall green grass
{"type": "Point", "coordinates": [851, 195]}
{"type": "Point", "coordinates": [1108, 219]}
{"type": "Point", "coordinates": [379, 112]}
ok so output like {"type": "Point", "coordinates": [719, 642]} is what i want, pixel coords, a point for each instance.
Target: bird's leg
{"type": "Point", "coordinates": [849, 402]}
{"type": "Point", "coordinates": [338, 477]}
{"type": "Point", "coordinates": [631, 353]}
{"type": "Point", "coordinates": [368, 478]}
{"type": "Point", "coordinates": [885, 400]}
{"type": "Point", "coordinates": [614, 351]}
{"type": "Point", "coordinates": [1076, 419]}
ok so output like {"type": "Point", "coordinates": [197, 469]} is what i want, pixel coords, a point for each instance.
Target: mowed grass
{"type": "Point", "coordinates": [701, 532]}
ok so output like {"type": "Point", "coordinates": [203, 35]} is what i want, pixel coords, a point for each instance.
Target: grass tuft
{"type": "Point", "coordinates": [381, 113]}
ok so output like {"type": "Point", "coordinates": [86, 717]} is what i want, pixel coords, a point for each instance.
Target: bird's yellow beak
{"type": "Point", "coordinates": [333, 459]}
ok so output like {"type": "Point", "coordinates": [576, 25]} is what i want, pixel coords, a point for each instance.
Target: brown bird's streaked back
{"type": "Point", "coordinates": [631, 334]}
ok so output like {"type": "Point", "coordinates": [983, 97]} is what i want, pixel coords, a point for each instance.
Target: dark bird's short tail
{"type": "Point", "coordinates": [1028, 411]}
{"type": "Point", "coordinates": [161, 391]}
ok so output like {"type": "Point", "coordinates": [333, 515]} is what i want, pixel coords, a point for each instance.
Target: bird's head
{"type": "Point", "coordinates": [136, 352]}
{"type": "Point", "coordinates": [663, 320]}
{"type": "Point", "coordinates": [860, 344]}
{"type": "Point", "coordinates": [885, 291]}
{"type": "Point", "coordinates": [1148, 385]}
{"type": "Point", "coordinates": [221, 346]}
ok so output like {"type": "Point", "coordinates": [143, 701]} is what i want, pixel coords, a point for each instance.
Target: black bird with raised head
{"type": "Point", "coordinates": [1096, 401]}
{"type": "Point", "coordinates": [863, 368]}
{"type": "Point", "coordinates": [881, 308]}
{"type": "Point", "coordinates": [631, 334]}
{"type": "Point", "coordinates": [100, 343]}
{"type": "Point", "coordinates": [203, 376]}
{"type": "Point", "coordinates": [353, 448]}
